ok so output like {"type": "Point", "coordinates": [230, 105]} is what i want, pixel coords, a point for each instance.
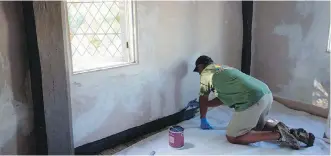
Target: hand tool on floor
{"type": "Point", "coordinates": [193, 103]}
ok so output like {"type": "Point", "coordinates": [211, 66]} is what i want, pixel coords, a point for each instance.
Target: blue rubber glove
{"type": "Point", "coordinates": [204, 124]}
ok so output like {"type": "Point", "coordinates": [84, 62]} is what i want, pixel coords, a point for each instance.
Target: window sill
{"type": "Point", "coordinates": [104, 68]}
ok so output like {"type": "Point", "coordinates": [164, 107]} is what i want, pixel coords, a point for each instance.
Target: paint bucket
{"type": "Point", "coordinates": [176, 136]}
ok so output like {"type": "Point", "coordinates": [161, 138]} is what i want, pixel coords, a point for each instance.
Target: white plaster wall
{"type": "Point", "coordinates": [171, 35]}
{"type": "Point", "coordinates": [15, 106]}
{"type": "Point", "coordinates": [289, 49]}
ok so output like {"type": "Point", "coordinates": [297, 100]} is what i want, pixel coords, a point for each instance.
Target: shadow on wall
{"type": "Point", "coordinates": [179, 72]}
{"type": "Point", "coordinates": [169, 96]}
{"type": "Point", "coordinates": [271, 46]}
{"type": "Point", "coordinates": [290, 42]}
{"type": "Point", "coordinates": [22, 139]}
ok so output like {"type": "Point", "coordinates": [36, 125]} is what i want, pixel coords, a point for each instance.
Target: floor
{"type": "Point", "coordinates": [121, 147]}
{"type": "Point", "coordinates": [214, 142]}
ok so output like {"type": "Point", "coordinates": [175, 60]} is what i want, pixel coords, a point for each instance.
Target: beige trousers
{"type": "Point", "coordinates": [253, 117]}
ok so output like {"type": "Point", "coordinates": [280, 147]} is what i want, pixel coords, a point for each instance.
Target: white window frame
{"type": "Point", "coordinates": [128, 37]}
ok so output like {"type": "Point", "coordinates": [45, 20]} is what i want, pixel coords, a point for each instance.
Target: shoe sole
{"type": "Point", "coordinates": [290, 140]}
{"type": "Point", "coordinates": [303, 136]}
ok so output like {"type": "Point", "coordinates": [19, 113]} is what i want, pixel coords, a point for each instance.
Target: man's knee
{"type": "Point", "coordinates": [234, 140]}
{"type": "Point", "coordinates": [231, 139]}
{"type": "Point", "coordinates": [234, 136]}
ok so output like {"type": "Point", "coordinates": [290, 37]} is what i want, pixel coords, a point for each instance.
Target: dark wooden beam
{"type": "Point", "coordinates": [247, 15]}
{"type": "Point", "coordinates": [54, 74]}
{"type": "Point", "coordinates": [39, 129]}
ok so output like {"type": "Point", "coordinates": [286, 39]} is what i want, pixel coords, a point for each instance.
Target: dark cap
{"type": "Point", "coordinates": [203, 59]}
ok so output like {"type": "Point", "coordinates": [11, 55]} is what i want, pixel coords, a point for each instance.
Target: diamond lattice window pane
{"type": "Point", "coordinates": [95, 31]}
{"type": "Point", "coordinates": [104, 10]}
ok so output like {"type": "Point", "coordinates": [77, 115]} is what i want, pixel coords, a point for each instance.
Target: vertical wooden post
{"type": "Point", "coordinates": [247, 15]}
{"type": "Point", "coordinates": [55, 80]}
{"type": "Point", "coordinates": [39, 130]}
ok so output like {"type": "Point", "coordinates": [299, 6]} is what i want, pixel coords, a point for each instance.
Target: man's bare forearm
{"type": "Point", "coordinates": [204, 104]}
{"type": "Point", "coordinates": [214, 103]}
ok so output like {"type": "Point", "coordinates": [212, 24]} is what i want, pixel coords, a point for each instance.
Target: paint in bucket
{"type": "Point", "coordinates": [176, 136]}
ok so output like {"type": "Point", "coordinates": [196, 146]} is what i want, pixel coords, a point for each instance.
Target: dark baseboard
{"type": "Point", "coordinates": [98, 146]}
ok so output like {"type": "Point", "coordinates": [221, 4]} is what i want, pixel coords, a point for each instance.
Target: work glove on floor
{"type": "Point", "coordinates": [193, 103]}
{"type": "Point", "coordinates": [204, 124]}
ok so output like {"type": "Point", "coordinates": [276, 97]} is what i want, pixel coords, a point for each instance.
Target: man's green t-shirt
{"type": "Point", "coordinates": [234, 88]}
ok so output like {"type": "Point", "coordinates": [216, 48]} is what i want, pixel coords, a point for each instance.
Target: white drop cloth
{"type": "Point", "coordinates": [208, 142]}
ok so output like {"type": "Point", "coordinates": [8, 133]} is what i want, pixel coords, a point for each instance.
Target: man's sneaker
{"type": "Point", "coordinates": [303, 136]}
{"type": "Point", "coordinates": [286, 137]}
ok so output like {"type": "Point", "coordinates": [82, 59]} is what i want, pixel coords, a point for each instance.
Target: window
{"type": "Point", "coordinates": [101, 34]}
